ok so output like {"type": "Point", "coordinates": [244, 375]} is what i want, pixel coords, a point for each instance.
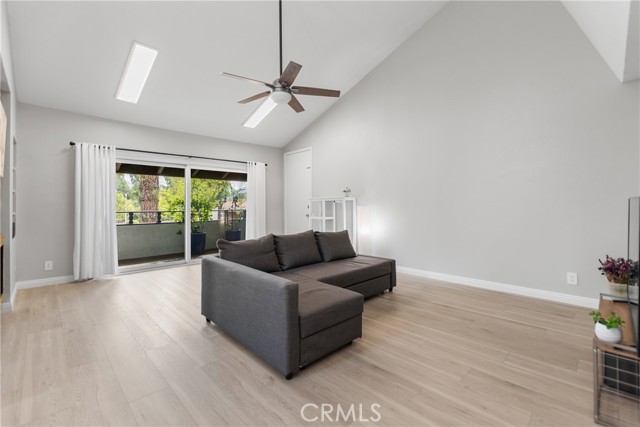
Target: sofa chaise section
{"type": "Point", "coordinates": [366, 275]}
{"type": "Point", "coordinates": [287, 324]}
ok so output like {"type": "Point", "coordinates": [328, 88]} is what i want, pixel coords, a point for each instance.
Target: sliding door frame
{"type": "Point", "coordinates": [187, 164]}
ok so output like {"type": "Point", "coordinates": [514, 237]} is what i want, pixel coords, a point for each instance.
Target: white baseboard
{"type": "Point", "coordinates": [503, 287]}
{"type": "Point", "coordinates": [8, 305]}
{"type": "Point", "coordinates": [26, 284]}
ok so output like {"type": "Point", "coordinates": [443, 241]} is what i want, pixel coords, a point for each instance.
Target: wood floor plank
{"type": "Point", "coordinates": [135, 350]}
{"type": "Point", "coordinates": [161, 408]}
{"type": "Point", "coordinates": [196, 393]}
{"type": "Point", "coordinates": [137, 375]}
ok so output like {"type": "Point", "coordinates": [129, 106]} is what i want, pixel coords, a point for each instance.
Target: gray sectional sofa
{"type": "Point", "coordinates": [292, 299]}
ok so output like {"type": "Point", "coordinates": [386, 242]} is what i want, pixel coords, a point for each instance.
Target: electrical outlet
{"type": "Point", "coordinates": [48, 265]}
{"type": "Point", "coordinates": [572, 278]}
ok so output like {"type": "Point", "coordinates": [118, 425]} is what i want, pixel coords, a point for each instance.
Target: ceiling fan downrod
{"type": "Point", "coordinates": [280, 33]}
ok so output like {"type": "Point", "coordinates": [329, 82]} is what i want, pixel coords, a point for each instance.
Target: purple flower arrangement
{"type": "Point", "coordinates": [617, 270]}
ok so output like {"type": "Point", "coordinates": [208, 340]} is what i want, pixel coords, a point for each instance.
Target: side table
{"type": "Point", "coordinates": [616, 386]}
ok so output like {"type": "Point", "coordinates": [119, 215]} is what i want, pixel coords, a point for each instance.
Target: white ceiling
{"type": "Point", "coordinates": [612, 28]}
{"type": "Point", "coordinates": [70, 55]}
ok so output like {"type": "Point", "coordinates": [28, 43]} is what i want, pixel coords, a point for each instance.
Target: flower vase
{"type": "Point", "coordinates": [618, 289]}
{"type": "Point", "coordinates": [609, 336]}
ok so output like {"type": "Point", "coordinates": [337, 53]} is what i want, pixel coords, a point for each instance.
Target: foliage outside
{"type": "Point", "coordinates": [138, 193]}
{"type": "Point", "coordinates": [610, 322]}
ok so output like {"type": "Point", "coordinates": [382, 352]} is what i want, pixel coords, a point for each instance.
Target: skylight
{"type": "Point", "coordinates": [136, 72]}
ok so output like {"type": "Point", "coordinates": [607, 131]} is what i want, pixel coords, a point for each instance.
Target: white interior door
{"type": "Point", "coordinates": [297, 190]}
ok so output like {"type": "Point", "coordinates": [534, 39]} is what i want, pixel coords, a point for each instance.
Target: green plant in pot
{"type": "Point", "coordinates": [201, 210]}
{"type": "Point", "coordinates": [234, 217]}
{"type": "Point", "coordinates": [200, 213]}
{"type": "Point", "coordinates": [608, 329]}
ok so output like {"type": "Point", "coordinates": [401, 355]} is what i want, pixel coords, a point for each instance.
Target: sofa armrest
{"type": "Point", "coordinates": [256, 308]}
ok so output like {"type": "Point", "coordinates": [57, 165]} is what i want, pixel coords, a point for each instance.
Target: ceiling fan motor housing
{"type": "Point", "coordinates": [280, 95]}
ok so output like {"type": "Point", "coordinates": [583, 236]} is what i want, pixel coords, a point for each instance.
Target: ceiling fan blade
{"type": "Point", "coordinates": [315, 91]}
{"type": "Point", "coordinates": [260, 113]}
{"type": "Point", "coordinates": [295, 104]}
{"type": "Point", "coordinates": [247, 79]}
{"type": "Point", "coordinates": [289, 74]}
{"type": "Point", "coordinates": [254, 97]}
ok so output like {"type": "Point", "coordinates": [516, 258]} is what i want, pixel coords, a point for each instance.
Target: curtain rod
{"type": "Point", "coordinates": [171, 154]}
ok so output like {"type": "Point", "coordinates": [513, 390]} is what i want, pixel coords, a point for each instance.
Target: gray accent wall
{"type": "Point", "coordinates": [46, 177]}
{"type": "Point", "coordinates": [495, 144]}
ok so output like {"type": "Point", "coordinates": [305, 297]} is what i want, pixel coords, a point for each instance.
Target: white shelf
{"type": "Point", "coordinates": [334, 214]}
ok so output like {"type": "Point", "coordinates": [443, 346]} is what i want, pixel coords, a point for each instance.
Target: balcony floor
{"type": "Point", "coordinates": [152, 260]}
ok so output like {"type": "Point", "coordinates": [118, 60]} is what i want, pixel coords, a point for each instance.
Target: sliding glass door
{"type": "Point", "coordinates": [172, 213]}
{"type": "Point", "coordinates": [149, 214]}
{"type": "Point", "coordinates": [218, 206]}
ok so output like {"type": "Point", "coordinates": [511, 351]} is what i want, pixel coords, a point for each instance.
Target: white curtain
{"type": "Point", "coordinates": [95, 247]}
{"type": "Point", "coordinates": [256, 200]}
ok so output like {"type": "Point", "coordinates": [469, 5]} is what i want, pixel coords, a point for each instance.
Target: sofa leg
{"type": "Point", "coordinates": [207, 320]}
{"type": "Point", "coordinates": [288, 377]}
{"type": "Point", "coordinates": [390, 289]}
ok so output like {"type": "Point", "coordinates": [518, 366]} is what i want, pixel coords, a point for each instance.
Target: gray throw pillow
{"type": "Point", "coordinates": [296, 250]}
{"type": "Point", "coordinates": [256, 253]}
{"type": "Point", "coordinates": [334, 245]}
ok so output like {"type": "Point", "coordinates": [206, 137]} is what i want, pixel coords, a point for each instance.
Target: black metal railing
{"type": "Point", "coordinates": [168, 217]}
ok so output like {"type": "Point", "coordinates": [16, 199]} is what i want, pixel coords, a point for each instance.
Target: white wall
{"type": "Point", "coordinates": [495, 144]}
{"type": "Point", "coordinates": [46, 171]}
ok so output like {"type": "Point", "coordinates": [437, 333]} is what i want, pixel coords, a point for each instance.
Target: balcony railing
{"type": "Point", "coordinates": [160, 234]}
{"type": "Point", "coordinates": [167, 217]}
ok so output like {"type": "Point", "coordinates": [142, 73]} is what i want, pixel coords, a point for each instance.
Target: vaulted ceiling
{"type": "Point", "coordinates": [70, 55]}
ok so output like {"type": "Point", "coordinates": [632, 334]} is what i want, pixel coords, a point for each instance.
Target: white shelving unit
{"type": "Point", "coordinates": [334, 214]}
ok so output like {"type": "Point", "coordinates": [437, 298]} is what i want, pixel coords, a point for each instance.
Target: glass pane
{"type": "Point", "coordinates": [218, 209]}
{"type": "Point", "coordinates": [149, 214]}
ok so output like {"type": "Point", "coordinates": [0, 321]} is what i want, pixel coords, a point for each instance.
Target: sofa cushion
{"type": "Point", "coordinates": [346, 272]}
{"type": "Point", "coordinates": [322, 306]}
{"type": "Point", "coordinates": [334, 245]}
{"type": "Point", "coordinates": [255, 253]}
{"type": "Point", "coordinates": [295, 250]}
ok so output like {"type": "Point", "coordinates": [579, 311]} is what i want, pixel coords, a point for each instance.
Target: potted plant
{"type": "Point", "coordinates": [200, 213]}
{"type": "Point", "coordinates": [618, 272]}
{"type": "Point", "coordinates": [607, 329]}
{"type": "Point", "coordinates": [234, 218]}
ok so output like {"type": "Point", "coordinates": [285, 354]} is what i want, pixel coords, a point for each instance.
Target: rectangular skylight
{"type": "Point", "coordinates": [136, 72]}
{"type": "Point", "coordinates": [260, 113]}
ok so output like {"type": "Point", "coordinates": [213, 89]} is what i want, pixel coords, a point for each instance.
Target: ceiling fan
{"type": "Point", "coordinates": [281, 91]}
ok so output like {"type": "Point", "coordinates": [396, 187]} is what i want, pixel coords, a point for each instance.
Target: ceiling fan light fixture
{"type": "Point", "coordinates": [280, 96]}
{"type": "Point", "coordinates": [260, 113]}
{"type": "Point", "coordinates": [281, 91]}
{"type": "Point", "coordinates": [136, 72]}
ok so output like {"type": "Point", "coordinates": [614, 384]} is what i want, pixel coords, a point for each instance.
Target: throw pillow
{"type": "Point", "coordinates": [256, 253]}
{"type": "Point", "coordinates": [296, 250]}
{"type": "Point", "coordinates": [334, 245]}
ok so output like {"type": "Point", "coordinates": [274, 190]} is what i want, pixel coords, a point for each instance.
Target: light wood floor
{"type": "Point", "coordinates": [134, 350]}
